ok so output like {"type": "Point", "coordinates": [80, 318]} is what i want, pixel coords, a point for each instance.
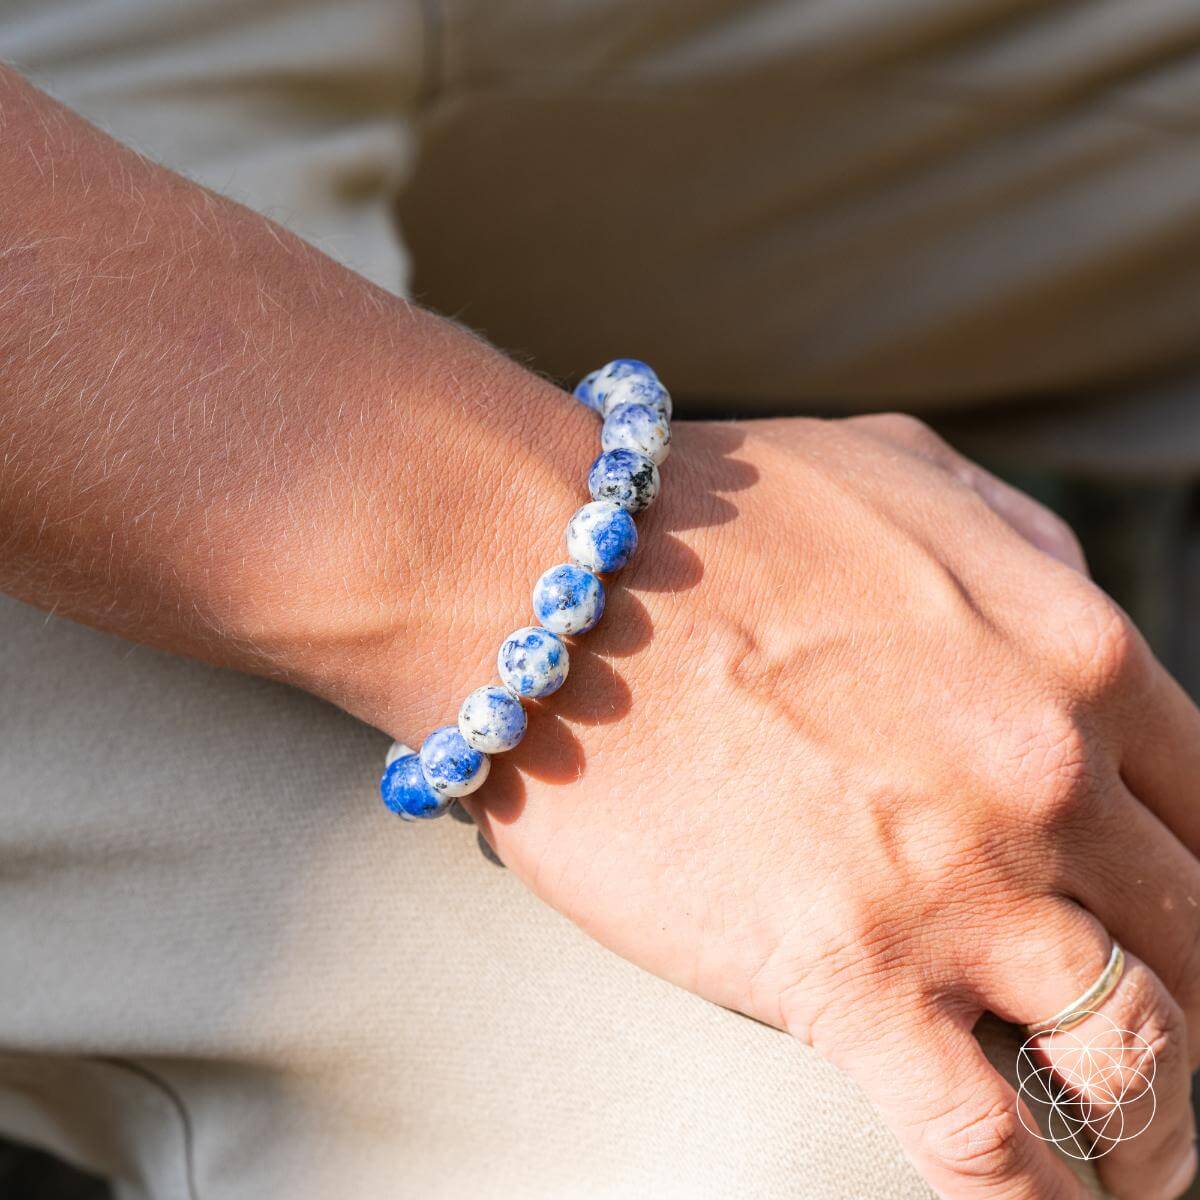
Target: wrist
{"type": "Point", "coordinates": [411, 580]}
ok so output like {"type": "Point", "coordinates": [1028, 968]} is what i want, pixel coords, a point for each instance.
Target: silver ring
{"type": "Point", "coordinates": [1085, 1005]}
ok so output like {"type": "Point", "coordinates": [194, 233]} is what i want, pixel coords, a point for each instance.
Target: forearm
{"type": "Point", "coordinates": [200, 414]}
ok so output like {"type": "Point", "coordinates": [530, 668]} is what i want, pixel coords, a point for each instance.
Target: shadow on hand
{"type": "Point", "coordinates": [595, 693]}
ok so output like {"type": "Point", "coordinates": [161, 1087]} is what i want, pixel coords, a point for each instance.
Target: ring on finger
{"type": "Point", "coordinates": [1090, 1000]}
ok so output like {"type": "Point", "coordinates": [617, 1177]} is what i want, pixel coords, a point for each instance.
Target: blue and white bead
{"type": "Point", "coordinates": [585, 390]}
{"type": "Point", "coordinates": [568, 600]}
{"type": "Point", "coordinates": [639, 427]}
{"type": "Point", "coordinates": [406, 791]}
{"type": "Point", "coordinates": [492, 720]}
{"type": "Point", "coordinates": [452, 768]}
{"type": "Point", "coordinates": [396, 750]}
{"type": "Point", "coordinates": [626, 478]}
{"type": "Point", "coordinates": [594, 388]}
{"type": "Point", "coordinates": [637, 389]}
{"type": "Point", "coordinates": [532, 662]}
{"type": "Point", "coordinates": [601, 536]}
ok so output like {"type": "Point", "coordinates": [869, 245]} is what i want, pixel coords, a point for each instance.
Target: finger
{"type": "Point", "coordinates": [956, 1117]}
{"type": "Point", "coordinates": [1147, 720]}
{"type": "Point", "coordinates": [1143, 1119]}
{"type": "Point", "coordinates": [1161, 758]}
{"type": "Point", "coordinates": [1143, 885]}
{"type": "Point", "coordinates": [1032, 520]}
{"type": "Point", "coordinates": [1128, 1064]}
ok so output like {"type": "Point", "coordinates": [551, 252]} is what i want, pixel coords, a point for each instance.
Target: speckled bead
{"type": "Point", "coordinates": [406, 791]}
{"type": "Point", "coordinates": [594, 388]}
{"type": "Point", "coordinates": [492, 720]}
{"type": "Point", "coordinates": [396, 750]}
{"type": "Point", "coordinates": [568, 600]}
{"type": "Point", "coordinates": [626, 478]}
{"type": "Point", "coordinates": [639, 427]}
{"type": "Point", "coordinates": [532, 662]}
{"type": "Point", "coordinates": [601, 536]}
{"type": "Point", "coordinates": [585, 390]}
{"type": "Point", "coordinates": [452, 768]}
{"type": "Point", "coordinates": [637, 389]}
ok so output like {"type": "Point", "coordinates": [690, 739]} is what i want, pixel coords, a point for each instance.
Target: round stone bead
{"type": "Point", "coordinates": [585, 391]}
{"type": "Point", "coordinates": [601, 536]}
{"type": "Point", "coordinates": [568, 600]}
{"type": "Point", "coordinates": [599, 384]}
{"type": "Point", "coordinates": [640, 427]}
{"type": "Point", "coordinates": [407, 793]}
{"type": "Point", "coordinates": [636, 389]}
{"type": "Point", "coordinates": [532, 662]}
{"type": "Point", "coordinates": [492, 720]}
{"type": "Point", "coordinates": [625, 477]}
{"type": "Point", "coordinates": [452, 768]}
{"type": "Point", "coordinates": [397, 750]}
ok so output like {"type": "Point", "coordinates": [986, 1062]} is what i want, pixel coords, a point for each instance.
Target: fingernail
{"type": "Point", "coordinates": [1182, 1175]}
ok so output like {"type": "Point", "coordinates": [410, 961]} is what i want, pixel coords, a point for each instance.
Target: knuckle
{"type": "Point", "coordinates": [906, 423]}
{"type": "Point", "coordinates": [847, 959]}
{"type": "Point", "coordinates": [901, 427]}
{"type": "Point", "coordinates": [1101, 642]}
{"type": "Point", "coordinates": [984, 1143]}
{"type": "Point", "coordinates": [1050, 754]}
{"type": "Point", "coordinates": [832, 1005]}
{"type": "Point", "coordinates": [1059, 534]}
{"type": "Point", "coordinates": [1060, 528]}
{"type": "Point", "coordinates": [865, 944]}
{"type": "Point", "coordinates": [1113, 643]}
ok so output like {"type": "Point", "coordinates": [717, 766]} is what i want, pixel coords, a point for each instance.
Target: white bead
{"type": "Point", "coordinates": [601, 536]}
{"type": "Point", "coordinates": [492, 720]}
{"type": "Point", "coordinates": [640, 427]}
{"type": "Point", "coordinates": [532, 662]}
{"type": "Point", "coordinates": [451, 766]}
{"type": "Point", "coordinates": [568, 600]}
{"type": "Point", "coordinates": [637, 389]}
{"type": "Point", "coordinates": [594, 389]}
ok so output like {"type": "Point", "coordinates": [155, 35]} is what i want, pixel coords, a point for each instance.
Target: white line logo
{"type": "Point", "coordinates": [1084, 1094]}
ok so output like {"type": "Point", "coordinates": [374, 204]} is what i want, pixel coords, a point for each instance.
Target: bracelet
{"type": "Point", "coordinates": [568, 599]}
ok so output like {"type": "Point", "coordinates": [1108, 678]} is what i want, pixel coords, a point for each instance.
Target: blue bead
{"type": "Point", "coordinates": [601, 536]}
{"type": "Point", "coordinates": [452, 768]}
{"type": "Point", "coordinates": [397, 750]}
{"type": "Point", "coordinates": [492, 720]}
{"type": "Point", "coordinates": [532, 662]}
{"type": "Point", "coordinates": [600, 383]}
{"type": "Point", "coordinates": [625, 477]}
{"type": "Point", "coordinates": [584, 390]}
{"type": "Point", "coordinates": [640, 427]}
{"type": "Point", "coordinates": [407, 793]}
{"type": "Point", "coordinates": [635, 389]}
{"type": "Point", "coordinates": [623, 368]}
{"type": "Point", "coordinates": [568, 600]}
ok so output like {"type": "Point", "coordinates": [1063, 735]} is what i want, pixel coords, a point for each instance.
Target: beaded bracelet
{"type": "Point", "coordinates": [567, 600]}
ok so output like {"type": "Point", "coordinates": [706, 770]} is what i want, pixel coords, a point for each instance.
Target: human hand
{"type": "Point", "coordinates": [851, 755]}
{"type": "Point", "coordinates": [848, 754]}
